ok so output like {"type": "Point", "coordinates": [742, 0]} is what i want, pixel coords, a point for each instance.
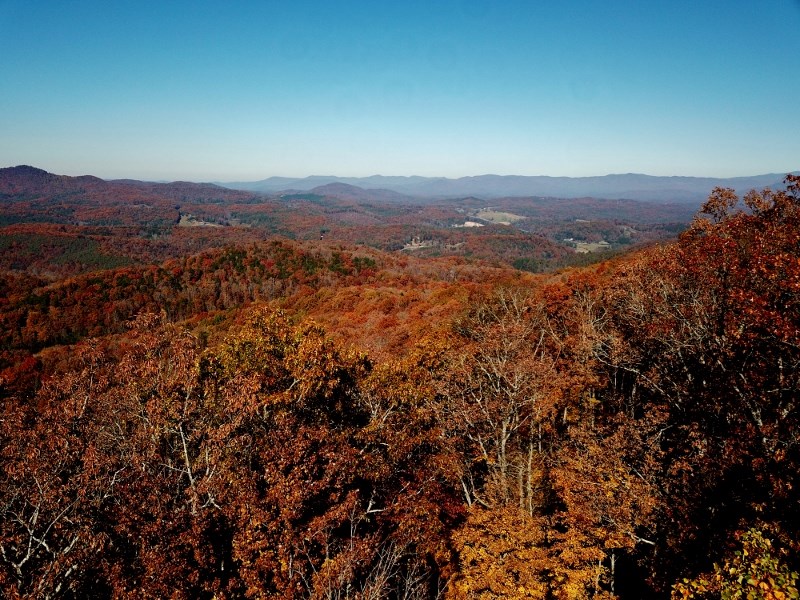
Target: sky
{"type": "Point", "coordinates": [241, 91]}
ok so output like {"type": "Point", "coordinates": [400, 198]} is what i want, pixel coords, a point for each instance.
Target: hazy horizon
{"type": "Point", "coordinates": [400, 176]}
{"type": "Point", "coordinates": [235, 92]}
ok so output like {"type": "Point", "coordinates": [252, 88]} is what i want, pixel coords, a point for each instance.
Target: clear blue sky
{"type": "Point", "coordinates": [245, 90]}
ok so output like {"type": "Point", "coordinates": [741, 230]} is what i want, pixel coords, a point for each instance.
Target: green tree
{"type": "Point", "coordinates": [756, 572]}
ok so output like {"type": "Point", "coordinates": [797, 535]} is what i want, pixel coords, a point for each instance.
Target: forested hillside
{"type": "Point", "coordinates": [271, 418]}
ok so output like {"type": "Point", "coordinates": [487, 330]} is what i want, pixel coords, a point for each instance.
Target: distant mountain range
{"type": "Point", "coordinates": [630, 186]}
{"type": "Point", "coordinates": [647, 188]}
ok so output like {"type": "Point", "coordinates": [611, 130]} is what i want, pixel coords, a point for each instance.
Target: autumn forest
{"type": "Point", "coordinates": [345, 394]}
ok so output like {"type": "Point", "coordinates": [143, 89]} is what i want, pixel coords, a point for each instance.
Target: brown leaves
{"type": "Point", "coordinates": [253, 467]}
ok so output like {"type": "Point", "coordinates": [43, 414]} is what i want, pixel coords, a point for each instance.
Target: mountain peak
{"type": "Point", "coordinates": [336, 187]}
